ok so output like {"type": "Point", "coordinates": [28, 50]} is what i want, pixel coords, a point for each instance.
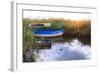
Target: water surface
{"type": "Point", "coordinates": [60, 51]}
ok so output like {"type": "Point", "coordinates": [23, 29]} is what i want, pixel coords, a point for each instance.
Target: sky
{"type": "Point", "coordinates": [46, 15]}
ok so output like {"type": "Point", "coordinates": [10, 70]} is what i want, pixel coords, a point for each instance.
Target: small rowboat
{"type": "Point", "coordinates": [48, 32]}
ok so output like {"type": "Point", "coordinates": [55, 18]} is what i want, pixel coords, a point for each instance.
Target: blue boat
{"type": "Point", "coordinates": [48, 32]}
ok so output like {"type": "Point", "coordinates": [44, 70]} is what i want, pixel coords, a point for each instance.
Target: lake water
{"type": "Point", "coordinates": [60, 51]}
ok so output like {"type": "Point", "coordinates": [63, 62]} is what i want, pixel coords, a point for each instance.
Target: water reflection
{"type": "Point", "coordinates": [46, 43]}
{"type": "Point", "coordinates": [58, 49]}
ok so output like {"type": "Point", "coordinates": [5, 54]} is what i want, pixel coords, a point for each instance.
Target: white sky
{"type": "Point", "coordinates": [46, 15]}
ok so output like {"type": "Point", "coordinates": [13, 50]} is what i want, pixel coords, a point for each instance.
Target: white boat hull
{"type": "Point", "coordinates": [49, 35]}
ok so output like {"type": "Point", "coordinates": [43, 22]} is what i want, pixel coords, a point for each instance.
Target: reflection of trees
{"type": "Point", "coordinates": [86, 40]}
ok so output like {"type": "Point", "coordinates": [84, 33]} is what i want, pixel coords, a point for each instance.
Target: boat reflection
{"type": "Point", "coordinates": [45, 43]}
